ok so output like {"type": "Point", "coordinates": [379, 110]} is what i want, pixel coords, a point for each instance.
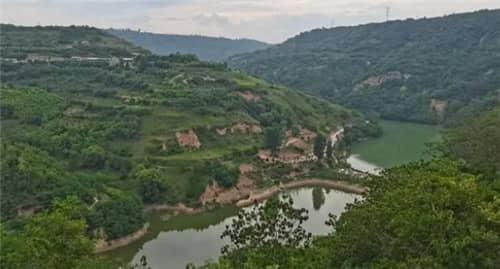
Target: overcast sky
{"type": "Point", "coordinates": [267, 20]}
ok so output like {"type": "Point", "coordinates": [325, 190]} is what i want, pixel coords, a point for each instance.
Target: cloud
{"type": "Point", "coordinates": [213, 19]}
{"type": "Point", "coordinates": [272, 21]}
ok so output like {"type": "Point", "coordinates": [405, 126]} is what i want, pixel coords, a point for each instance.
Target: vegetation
{"type": "Point", "coordinates": [55, 239]}
{"type": "Point", "coordinates": [19, 42]}
{"type": "Point", "coordinates": [109, 133]}
{"type": "Point", "coordinates": [476, 144]}
{"type": "Point", "coordinates": [442, 213]}
{"type": "Point", "coordinates": [426, 70]}
{"type": "Point", "coordinates": [204, 47]}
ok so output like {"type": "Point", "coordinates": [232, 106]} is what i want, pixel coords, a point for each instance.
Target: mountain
{"type": "Point", "coordinates": [116, 132]}
{"type": "Point", "coordinates": [18, 42]}
{"type": "Point", "coordinates": [426, 70]}
{"type": "Point", "coordinates": [206, 48]}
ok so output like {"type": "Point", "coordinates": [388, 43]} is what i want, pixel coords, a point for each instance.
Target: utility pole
{"type": "Point", "coordinates": [387, 11]}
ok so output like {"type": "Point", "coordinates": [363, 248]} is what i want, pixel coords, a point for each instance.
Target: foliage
{"type": "Point", "coordinates": [453, 59]}
{"type": "Point", "coordinates": [477, 143]}
{"type": "Point", "coordinates": [117, 217]}
{"type": "Point", "coordinates": [55, 239]}
{"type": "Point", "coordinates": [151, 188]}
{"type": "Point", "coordinates": [273, 137]}
{"type": "Point", "coordinates": [20, 41]}
{"type": "Point", "coordinates": [31, 178]}
{"type": "Point", "coordinates": [271, 231]}
{"type": "Point", "coordinates": [419, 215]}
{"type": "Point", "coordinates": [319, 146]}
{"type": "Point", "coordinates": [225, 176]}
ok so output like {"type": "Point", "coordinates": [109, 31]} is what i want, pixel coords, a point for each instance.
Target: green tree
{"type": "Point", "coordinates": [118, 217]}
{"type": "Point", "coordinates": [329, 150]}
{"type": "Point", "coordinates": [319, 146]}
{"type": "Point", "coordinates": [225, 176]}
{"type": "Point", "coordinates": [55, 239]}
{"type": "Point", "coordinates": [477, 144]}
{"type": "Point", "coordinates": [273, 137]}
{"type": "Point", "coordinates": [271, 231]}
{"type": "Point", "coordinates": [151, 188]}
{"type": "Point", "coordinates": [423, 215]}
{"type": "Point", "coordinates": [93, 157]}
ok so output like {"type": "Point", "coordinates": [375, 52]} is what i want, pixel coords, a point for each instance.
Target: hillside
{"type": "Point", "coordinates": [19, 42]}
{"type": "Point", "coordinates": [426, 70]}
{"type": "Point", "coordinates": [155, 129]}
{"type": "Point", "coordinates": [204, 47]}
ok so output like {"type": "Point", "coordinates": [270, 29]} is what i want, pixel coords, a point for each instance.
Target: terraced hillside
{"type": "Point", "coordinates": [436, 70]}
{"type": "Point", "coordinates": [155, 129]}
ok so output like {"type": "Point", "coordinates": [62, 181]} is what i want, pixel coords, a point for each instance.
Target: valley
{"type": "Point", "coordinates": [176, 240]}
{"type": "Point", "coordinates": [368, 146]}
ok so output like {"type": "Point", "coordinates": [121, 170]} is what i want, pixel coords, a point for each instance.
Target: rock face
{"type": "Point", "coordinates": [246, 128]}
{"type": "Point", "coordinates": [379, 80]}
{"type": "Point", "coordinates": [249, 96]}
{"type": "Point", "coordinates": [222, 131]}
{"type": "Point", "coordinates": [188, 139]}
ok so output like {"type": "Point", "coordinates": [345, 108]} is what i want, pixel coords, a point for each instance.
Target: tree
{"type": "Point", "coordinates": [270, 230]}
{"type": "Point", "coordinates": [151, 189]}
{"type": "Point", "coordinates": [422, 215]}
{"type": "Point", "coordinates": [119, 217]}
{"type": "Point", "coordinates": [476, 143]}
{"type": "Point", "coordinates": [273, 137]}
{"type": "Point", "coordinates": [54, 239]}
{"type": "Point", "coordinates": [319, 146]}
{"type": "Point", "coordinates": [93, 157]}
{"type": "Point", "coordinates": [224, 176]}
{"type": "Point", "coordinates": [329, 150]}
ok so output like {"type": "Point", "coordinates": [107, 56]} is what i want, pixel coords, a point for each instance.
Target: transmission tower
{"type": "Point", "coordinates": [387, 11]}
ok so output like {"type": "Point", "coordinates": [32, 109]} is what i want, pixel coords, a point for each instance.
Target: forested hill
{"type": "Point", "coordinates": [430, 70]}
{"type": "Point", "coordinates": [19, 42]}
{"type": "Point", "coordinates": [116, 132]}
{"type": "Point", "coordinates": [204, 47]}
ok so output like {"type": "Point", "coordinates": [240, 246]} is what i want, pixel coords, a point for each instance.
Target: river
{"type": "Point", "coordinates": [401, 143]}
{"type": "Point", "coordinates": [174, 241]}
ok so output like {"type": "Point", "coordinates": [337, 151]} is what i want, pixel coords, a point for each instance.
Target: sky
{"type": "Point", "coordinates": [268, 20]}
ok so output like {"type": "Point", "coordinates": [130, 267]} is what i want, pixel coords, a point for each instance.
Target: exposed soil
{"type": "Point", "coordinates": [103, 245]}
{"type": "Point", "coordinates": [188, 139]}
{"type": "Point", "coordinates": [271, 191]}
{"type": "Point", "coordinates": [379, 80]}
{"type": "Point", "coordinates": [249, 96]}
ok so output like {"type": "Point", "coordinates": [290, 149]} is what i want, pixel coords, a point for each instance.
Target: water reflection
{"type": "Point", "coordinates": [173, 242]}
{"type": "Point", "coordinates": [318, 197]}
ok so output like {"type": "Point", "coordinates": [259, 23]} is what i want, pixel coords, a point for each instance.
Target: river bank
{"type": "Point", "coordinates": [103, 245]}
{"type": "Point", "coordinates": [255, 196]}
{"type": "Point", "coordinates": [274, 190]}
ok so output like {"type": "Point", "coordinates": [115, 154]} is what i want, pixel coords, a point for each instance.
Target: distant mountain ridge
{"type": "Point", "coordinates": [204, 47]}
{"type": "Point", "coordinates": [426, 70]}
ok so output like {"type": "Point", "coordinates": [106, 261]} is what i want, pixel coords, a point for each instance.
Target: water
{"type": "Point", "coordinates": [401, 143]}
{"type": "Point", "coordinates": [174, 241]}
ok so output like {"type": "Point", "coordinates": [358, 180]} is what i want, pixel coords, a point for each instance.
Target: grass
{"type": "Point", "coordinates": [211, 153]}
